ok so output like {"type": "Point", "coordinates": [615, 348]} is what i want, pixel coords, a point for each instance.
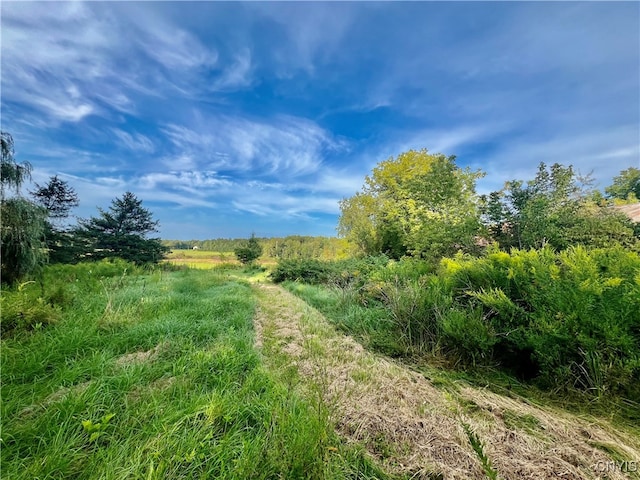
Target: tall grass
{"type": "Point", "coordinates": [565, 321]}
{"type": "Point", "coordinates": [153, 375]}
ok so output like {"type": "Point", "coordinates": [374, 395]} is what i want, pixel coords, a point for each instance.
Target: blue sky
{"type": "Point", "coordinates": [233, 118]}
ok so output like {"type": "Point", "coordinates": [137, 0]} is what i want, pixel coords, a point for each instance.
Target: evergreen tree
{"type": "Point", "coordinates": [122, 232]}
{"type": "Point", "coordinates": [249, 252]}
{"type": "Point", "coordinates": [58, 198]}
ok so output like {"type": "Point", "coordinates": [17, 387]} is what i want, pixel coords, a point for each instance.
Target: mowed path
{"type": "Point", "coordinates": [411, 426]}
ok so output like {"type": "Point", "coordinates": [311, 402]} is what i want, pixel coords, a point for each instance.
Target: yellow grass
{"type": "Point", "coordinates": [203, 259]}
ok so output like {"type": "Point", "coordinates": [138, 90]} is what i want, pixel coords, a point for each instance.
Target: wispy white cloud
{"type": "Point", "coordinates": [196, 182]}
{"type": "Point", "coordinates": [134, 141]}
{"type": "Point", "coordinates": [84, 58]}
{"type": "Point", "coordinates": [272, 111]}
{"type": "Point", "coordinates": [284, 145]}
{"type": "Point", "coordinates": [237, 75]}
{"type": "Point", "coordinates": [587, 152]}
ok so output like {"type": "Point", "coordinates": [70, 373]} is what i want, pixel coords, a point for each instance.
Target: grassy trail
{"type": "Point", "coordinates": [158, 377]}
{"type": "Point", "coordinates": [421, 429]}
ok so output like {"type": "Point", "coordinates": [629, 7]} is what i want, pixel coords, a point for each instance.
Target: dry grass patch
{"type": "Point", "coordinates": [136, 358]}
{"type": "Point", "coordinates": [55, 397]}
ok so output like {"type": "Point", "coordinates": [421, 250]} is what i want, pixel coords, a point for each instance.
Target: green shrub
{"type": "Point", "coordinates": [23, 309]}
{"type": "Point", "coordinates": [574, 315]}
{"type": "Point", "coordinates": [467, 335]}
{"type": "Point", "coordinates": [564, 320]}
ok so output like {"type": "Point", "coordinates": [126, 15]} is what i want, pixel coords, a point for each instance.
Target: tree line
{"type": "Point", "coordinates": [282, 248]}
{"type": "Point", "coordinates": [35, 230]}
{"type": "Point", "coordinates": [424, 205]}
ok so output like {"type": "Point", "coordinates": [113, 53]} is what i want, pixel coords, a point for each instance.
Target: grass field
{"type": "Point", "coordinates": [202, 259]}
{"type": "Point", "coordinates": [157, 376]}
{"type": "Point", "coordinates": [113, 372]}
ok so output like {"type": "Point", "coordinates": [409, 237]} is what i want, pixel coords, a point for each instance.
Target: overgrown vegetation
{"type": "Point", "coordinates": [564, 321]}
{"type": "Point", "coordinates": [23, 224]}
{"type": "Point", "coordinates": [127, 373]}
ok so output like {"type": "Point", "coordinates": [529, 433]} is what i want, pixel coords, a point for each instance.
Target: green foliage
{"type": "Point", "coordinates": [281, 248]}
{"type": "Point", "coordinates": [22, 225]}
{"type": "Point", "coordinates": [173, 356]}
{"type": "Point", "coordinates": [121, 232]}
{"type": "Point", "coordinates": [553, 209]}
{"type": "Point", "coordinates": [56, 196]}
{"type": "Point", "coordinates": [249, 252]}
{"type": "Point", "coordinates": [22, 238]}
{"type": "Point", "coordinates": [307, 271]}
{"type": "Point", "coordinates": [23, 309]}
{"type": "Point", "coordinates": [625, 186]}
{"type": "Point", "coordinates": [35, 305]}
{"type": "Point", "coordinates": [478, 447]}
{"type": "Point", "coordinates": [468, 335]}
{"type": "Point", "coordinates": [419, 204]}
{"type": "Point", "coordinates": [557, 316]}
{"type": "Point", "coordinates": [417, 309]}
{"type": "Point", "coordinates": [96, 430]}
{"type": "Point", "coordinates": [566, 320]}
{"type": "Point", "coordinates": [12, 174]}
{"type": "Point", "coordinates": [336, 273]}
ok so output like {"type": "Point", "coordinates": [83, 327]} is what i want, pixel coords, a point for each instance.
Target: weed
{"type": "Point", "coordinates": [478, 447]}
{"type": "Point", "coordinates": [96, 430]}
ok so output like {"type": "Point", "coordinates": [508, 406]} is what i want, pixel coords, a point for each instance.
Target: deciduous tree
{"type": "Point", "coordinates": [553, 209]}
{"type": "Point", "coordinates": [625, 186]}
{"type": "Point", "coordinates": [418, 203]}
{"type": "Point", "coordinates": [22, 230]}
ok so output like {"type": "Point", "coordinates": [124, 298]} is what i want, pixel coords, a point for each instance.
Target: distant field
{"type": "Point", "coordinates": [204, 259]}
{"type": "Point", "coordinates": [201, 259]}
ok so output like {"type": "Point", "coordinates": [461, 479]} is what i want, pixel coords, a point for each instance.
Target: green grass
{"type": "Point", "coordinates": [371, 325]}
{"type": "Point", "coordinates": [156, 376]}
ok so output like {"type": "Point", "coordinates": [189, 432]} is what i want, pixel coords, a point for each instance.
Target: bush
{"type": "Point", "coordinates": [570, 319]}
{"type": "Point", "coordinates": [564, 320]}
{"type": "Point", "coordinates": [467, 335]}
{"type": "Point", "coordinates": [23, 309]}
{"type": "Point", "coordinates": [249, 252]}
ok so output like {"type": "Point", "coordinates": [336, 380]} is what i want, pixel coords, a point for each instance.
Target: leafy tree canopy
{"type": "Point", "coordinates": [22, 229]}
{"type": "Point", "coordinates": [418, 203]}
{"type": "Point", "coordinates": [553, 209]}
{"type": "Point", "coordinates": [12, 174]}
{"type": "Point", "coordinates": [625, 186]}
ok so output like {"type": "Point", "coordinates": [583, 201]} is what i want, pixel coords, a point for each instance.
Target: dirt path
{"type": "Point", "coordinates": [411, 426]}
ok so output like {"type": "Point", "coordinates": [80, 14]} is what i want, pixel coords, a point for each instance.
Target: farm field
{"type": "Point", "coordinates": [203, 259]}
{"type": "Point", "coordinates": [200, 259]}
